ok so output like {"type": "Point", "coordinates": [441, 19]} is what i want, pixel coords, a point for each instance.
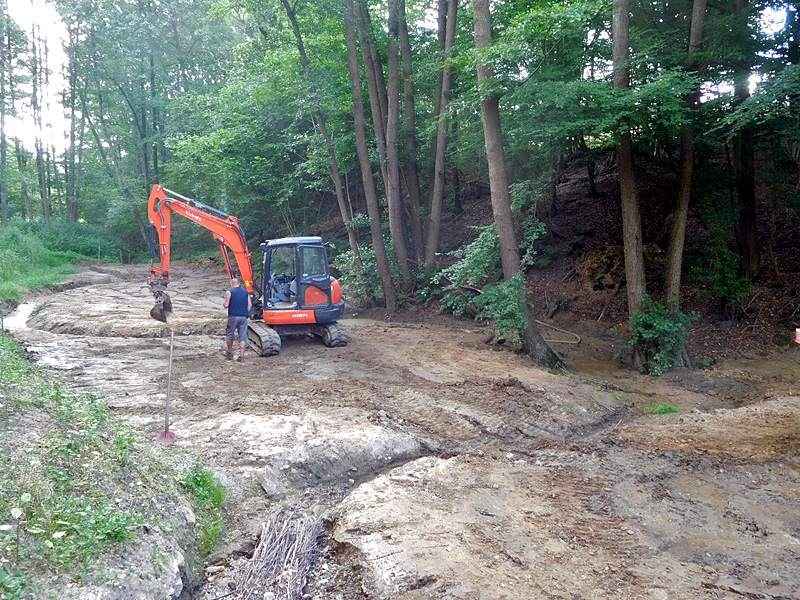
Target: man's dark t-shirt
{"type": "Point", "coordinates": [237, 307]}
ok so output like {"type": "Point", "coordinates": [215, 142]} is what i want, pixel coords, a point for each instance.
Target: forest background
{"type": "Point", "coordinates": [375, 123]}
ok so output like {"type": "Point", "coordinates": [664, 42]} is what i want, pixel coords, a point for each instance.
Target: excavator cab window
{"type": "Point", "coordinates": [282, 268]}
{"type": "Point", "coordinates": [314, 262]}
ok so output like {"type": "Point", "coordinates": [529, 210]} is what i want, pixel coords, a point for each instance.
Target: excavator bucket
{"type": "Point", "coordinates": [162, 310]}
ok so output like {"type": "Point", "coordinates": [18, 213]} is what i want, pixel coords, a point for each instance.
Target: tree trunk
{"type": "Point", "coordinates": [21, 164]}
{"type": "Point", "coordinates": [441, 21]}
{"type": "Point", "coordinates": [631, 218]}
{"type": "Point", "coordinates": [371, 197]}
{"type": "Point", "coordinates": [555, 172]}
{"type": "Point", "coordinates": [70, 168]}
{"type": "Point", "coordinates": [437, 189]}
{"type": "Point", "coordinates": [375, 57]}
{"type": "Point", "coordinates": [395, 201]}
{"type": "Point", "coordinates": [37, 69]}
{"type": "Point", "coordinates": [371, 69]}
{"type": "Point", "coordinates": [686, 169]}
{"type": "Point", "coordinates": [115, 163]}
{"type": "Point", "coordinates": [320, 121]}
{"type": "Point", "coordinates": [535, 345]}
{"type": "Point", "coordinates": [455, 175]}
{"type": "Point", "coordinates": [57, 181]}
{"type": "Point", "coordinates": [412, 170]}
{"type": "Point", "coordinates": [744, 164]}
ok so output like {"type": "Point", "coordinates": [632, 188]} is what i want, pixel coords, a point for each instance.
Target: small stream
{"type": "Point", "coordinates": [18, 318]}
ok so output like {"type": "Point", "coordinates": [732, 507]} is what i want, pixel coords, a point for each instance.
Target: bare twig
{"type": "Point", "coordinates": [283, 558]}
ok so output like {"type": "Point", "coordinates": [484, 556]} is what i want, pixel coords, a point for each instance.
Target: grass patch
{"type": "Point", "coordinates": [26, 263]}
{"type": "Point", "coordinates": [663, 409]}
{"type": "Point", "coordinates": [57, 452]}
{"type": "Point", "coordinates": [76, 486]}
{"type": "Point", "coordinates": [206, 495]}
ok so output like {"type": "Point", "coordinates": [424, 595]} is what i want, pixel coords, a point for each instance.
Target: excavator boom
{"type": "Point", "coordinates": [225, 229]}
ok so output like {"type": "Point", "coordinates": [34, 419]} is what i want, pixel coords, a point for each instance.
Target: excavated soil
{"type": "Point", "coordinates": [444, 469]}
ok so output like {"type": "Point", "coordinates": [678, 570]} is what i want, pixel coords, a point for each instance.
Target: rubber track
{"type": "Point", "coordinates": [263, 339]}
{"type": "Point", "coordinates": [338, 337]}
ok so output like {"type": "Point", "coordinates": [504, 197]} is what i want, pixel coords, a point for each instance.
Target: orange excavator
{"type": "Point", "coordinates": [297, 294]}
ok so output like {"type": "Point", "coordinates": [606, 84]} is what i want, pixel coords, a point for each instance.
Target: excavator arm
{"type": "Point", "coordinates": [225, 229]}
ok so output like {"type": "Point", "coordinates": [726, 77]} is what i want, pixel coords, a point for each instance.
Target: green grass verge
{"type": "Point", "coordinates": [66, 494]}
{"type": "Point", "coordinates": [206, 496]}
{"type": "Point", "coordinates": [26, 263]}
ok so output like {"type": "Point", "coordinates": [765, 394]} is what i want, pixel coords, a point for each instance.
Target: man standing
{"type": "Point", "coordinates": [238, 303]}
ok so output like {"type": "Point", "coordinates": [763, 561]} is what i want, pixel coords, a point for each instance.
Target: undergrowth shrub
{"type": "Point", "coordinates": [713, 271]}
{"type": "Point", "coordinates": [504, 303]}
{"type": "Point", "coordinates": [474, 286]}
{"type": "Point", "coordinates": [659, 336]}
{"type": "Point", "coordinates": [80, 238]}
{"type": "Point", "coordinates": [364, 284]}
{"type": "Point", "coordinates": [27, 263]}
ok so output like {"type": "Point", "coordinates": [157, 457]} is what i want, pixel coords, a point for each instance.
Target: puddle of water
{"type": "Point", "coordinates": [19, 317]}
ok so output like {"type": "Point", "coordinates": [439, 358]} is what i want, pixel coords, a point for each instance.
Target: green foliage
{"type": "Point", "coordinates": [77, 238]}
{"type": "Point", "coordinates": [476, 263]}
{"type": "Point", "coordinates": [207, 496]}
{"type": "Point", "coordinates": [773, 105]}
{"type": "Point", "coordinates": [474, 287]}
{"type": "Point", "coordinates": [659, 336]}
{"type": "Point", "coordinates": [56, 514]}
{"type": "Point", "coordinates": [663, 409]}
{"type": "Point", "coordinates": [361, 284]}
{"type": "Point", "coordinates": [27, 263]}
{"type": "Point", "coordinates": [364, 284]}
{"type": "Point", "coordinates": [525, 197]}
{"type": "Point", "coordinates": [713, 272]}
{"type": "Point", "coordinates": [504, 303]}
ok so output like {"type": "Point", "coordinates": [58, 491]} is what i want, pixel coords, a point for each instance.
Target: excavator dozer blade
{"type": "Point", "coordinates": [162, 310]}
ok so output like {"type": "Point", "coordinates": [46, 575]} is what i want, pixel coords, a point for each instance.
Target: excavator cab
{"type": "Point", "coordinates": [299, 278]}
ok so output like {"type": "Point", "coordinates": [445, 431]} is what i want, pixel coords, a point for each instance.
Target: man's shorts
{"type": "Point", "coordinates": [236, 324]}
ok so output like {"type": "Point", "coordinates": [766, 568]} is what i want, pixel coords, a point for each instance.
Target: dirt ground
{"type": "Point", "coordinates": [444, 469]}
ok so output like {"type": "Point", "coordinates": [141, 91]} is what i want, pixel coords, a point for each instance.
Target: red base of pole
{"type": "Point", "coordinates": [165, 437]}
